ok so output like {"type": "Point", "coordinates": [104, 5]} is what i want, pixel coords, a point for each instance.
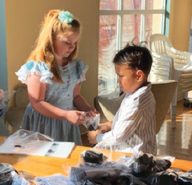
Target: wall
{"type": "Point", "coordinates": [23, 23]}
{"type": "Point", "coordinates": [23, 19]}
{"type": "Point", "coordinates": [3, 65]}
{"type": "Point", "coordinates": [180, 18]}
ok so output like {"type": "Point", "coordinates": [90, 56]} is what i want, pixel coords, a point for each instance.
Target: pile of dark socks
{"type": "Point", "coordinates": [144, 170]}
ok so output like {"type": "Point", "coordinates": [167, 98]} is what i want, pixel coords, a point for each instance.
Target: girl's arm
{"type": "Point", "coordinates": [36, 92]}
{"type": "Point", "coordinates": [79, 101]}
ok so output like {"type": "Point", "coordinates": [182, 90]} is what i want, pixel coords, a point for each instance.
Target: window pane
{"type": "Point", "coordinates": [107, 48]}
{"type": "Point", "coordinates": [157, 23]}
{"type": "Point", "coordinates": [152, 4]}
{"type": "Point", "coordinates": [154, 23]}
{"type": "Point", "coordinates": [140, 27]}
{"type": "Point", "coordinates": [132, 4]}
{"type": "Point", "coordinates": [143, 4]}
{"type": "Point", "coordinates": [108, 4]}
{"type": "Point", "coordinates": [131, 29]}
{"type": "Point", "coordinates": [117, 30]}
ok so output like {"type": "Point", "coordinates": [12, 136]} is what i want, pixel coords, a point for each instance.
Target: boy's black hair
{"type": "Point", "coordinates": [136, 57]}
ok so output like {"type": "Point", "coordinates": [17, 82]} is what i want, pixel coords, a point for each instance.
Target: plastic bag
{"type": "Point", "coordinates": [56, 179]}
{"type": "Point", "coordinates": [25, 136]}
{"type": "Point", "coordinates": [91, 123]}
{"type": "Point", "coordinates": [8, 175]}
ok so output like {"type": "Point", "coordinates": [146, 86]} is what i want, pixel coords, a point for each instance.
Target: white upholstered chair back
{"type": "Point", "coordinates": [164, 94]}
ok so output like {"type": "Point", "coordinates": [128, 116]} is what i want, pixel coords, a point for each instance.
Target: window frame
{"type": "Point", "coordinates": [120, 12]}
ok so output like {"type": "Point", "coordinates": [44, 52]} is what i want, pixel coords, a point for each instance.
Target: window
{"type": "Point", "coordinates": [122, 21]}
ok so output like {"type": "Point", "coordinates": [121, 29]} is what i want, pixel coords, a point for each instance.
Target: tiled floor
{"type": "Point", "coordinates": [177, 141]}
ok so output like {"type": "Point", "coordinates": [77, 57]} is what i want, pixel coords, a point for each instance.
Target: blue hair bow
{"type": "Point", "coordinates": [65, 16]}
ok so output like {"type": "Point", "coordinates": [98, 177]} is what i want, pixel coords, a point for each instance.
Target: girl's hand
{"type": "Point", "coordinates": [91, 113]}
{"type": "Point", "coordinates": [76, 117]}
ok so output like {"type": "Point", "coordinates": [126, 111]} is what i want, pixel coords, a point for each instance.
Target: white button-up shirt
{"type": "Point", "coordinates": [133, 127]}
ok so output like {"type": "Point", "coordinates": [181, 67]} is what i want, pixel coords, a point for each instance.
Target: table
{"type": "Point", "coordinates": [43, 166]}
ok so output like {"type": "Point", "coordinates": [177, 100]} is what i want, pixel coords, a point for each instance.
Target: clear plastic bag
{"type": "Point", "coordinates": [91, 123]}
{"type": "Point", "coordinates": [22, 136]}
{"type": "Point", "coordinates": [9, 176]}
{"type": "Point", "coordinates": [6, 173]}
{"type": "Point", "coordinates": [24, 142]}
{"type": "Point", "coordinates": [56, 179]}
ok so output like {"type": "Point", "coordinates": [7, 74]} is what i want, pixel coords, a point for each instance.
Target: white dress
{"type": "Point", "coordinates": [57, 94]}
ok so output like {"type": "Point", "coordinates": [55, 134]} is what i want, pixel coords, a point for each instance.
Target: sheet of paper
{"type": "Point", "coordinates": [60, 149]}
{"type": "Point", "coordinates": [39, 148]}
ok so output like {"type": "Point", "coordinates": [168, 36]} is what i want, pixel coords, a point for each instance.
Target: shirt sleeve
{"type": "Point", "coordinates": [33, 67]}
{"type": "Point", "coordinates": [123, 128]}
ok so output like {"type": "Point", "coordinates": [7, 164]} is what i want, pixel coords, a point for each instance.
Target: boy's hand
{"type": "Point", "coordinates": [92, 136]}
{"type": "Point", "coordinates": [105, 127]}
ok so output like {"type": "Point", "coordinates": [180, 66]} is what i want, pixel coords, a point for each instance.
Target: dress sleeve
{"type": "Point", "coordinates": [81, 71]}
{"type": "Point", "coordinates": [32, 67]}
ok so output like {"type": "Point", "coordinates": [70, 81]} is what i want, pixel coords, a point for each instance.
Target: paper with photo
{"type": "Point", "coordinates": [34, 143]}
{"type": "Point", "coordinates": [39, 148]}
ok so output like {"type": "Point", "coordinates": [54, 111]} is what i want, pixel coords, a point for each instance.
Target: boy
{"type": "Point", "coordinates": [133, 127]}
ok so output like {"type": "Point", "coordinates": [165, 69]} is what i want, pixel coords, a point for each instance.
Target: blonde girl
{"type": "Point", "coordinates": [53, 77]}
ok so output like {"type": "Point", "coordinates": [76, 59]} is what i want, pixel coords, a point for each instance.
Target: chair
{"type": "Point", "coordinates": [162, 70]}
{"type": "Point", "coordinates": [163, 93]}
{"type": "Point", "coordinates": [14, 115]}
{"type": "Point", "coordinates": [181, 63]}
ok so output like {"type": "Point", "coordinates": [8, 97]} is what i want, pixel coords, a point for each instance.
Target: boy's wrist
{"type": "Point", "coordinates": [99, 136]}
{"type": "Point", "coordinates": [105, 127]}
